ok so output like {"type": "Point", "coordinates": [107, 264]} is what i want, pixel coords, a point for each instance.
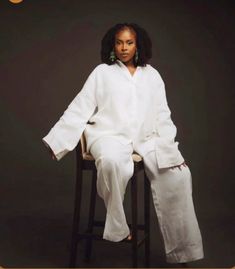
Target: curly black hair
{"type": "Point", "coordinates": [143, 42]}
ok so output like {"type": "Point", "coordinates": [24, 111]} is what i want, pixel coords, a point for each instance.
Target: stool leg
{"type": "Point", "coordinates": [76, 216]}
{"type": "Point", "coordinates": [91, 216]}
{"type": "Point", "coordinates": [147, 219]}
{"type": "Point", "coordinates": [134, 220]}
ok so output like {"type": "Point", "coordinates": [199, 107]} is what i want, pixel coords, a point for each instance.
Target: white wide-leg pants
{"type": "Point", "coordinates": [172, 196]}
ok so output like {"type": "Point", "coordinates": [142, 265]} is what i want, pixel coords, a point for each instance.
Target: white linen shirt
{"type": "Point", "coordinates": [131, 108]}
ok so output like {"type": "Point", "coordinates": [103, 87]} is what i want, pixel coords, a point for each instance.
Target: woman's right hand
{"type": "Point", "coordinates": [50, 152]}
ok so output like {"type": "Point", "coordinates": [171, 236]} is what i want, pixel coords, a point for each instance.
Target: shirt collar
{"type": "Point", "coordinates": [126, 71]}
{"type": "Point", "coordinates": [120, 63]}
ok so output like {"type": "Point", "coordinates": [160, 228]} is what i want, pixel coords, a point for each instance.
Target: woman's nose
{"type": "Point", "coordinates": [124, 47]}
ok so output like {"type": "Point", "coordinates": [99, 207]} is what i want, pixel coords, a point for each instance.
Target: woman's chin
{"type": "Point", "coordinates": [125, 60]}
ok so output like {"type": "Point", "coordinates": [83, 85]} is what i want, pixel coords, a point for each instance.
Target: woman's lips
{"type": "Point", "coordinates": [124, 55]}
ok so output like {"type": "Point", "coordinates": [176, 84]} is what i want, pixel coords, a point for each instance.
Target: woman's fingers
{"type": "Point", "coordinates": [179, 166]}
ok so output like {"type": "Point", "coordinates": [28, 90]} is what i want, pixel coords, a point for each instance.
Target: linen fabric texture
{"type": "Point", "coordinates": [130, 113]}
{"type": "Point", "coordinates": [129, 108]}
{"type": "Point", "coordinates": [171, 191]}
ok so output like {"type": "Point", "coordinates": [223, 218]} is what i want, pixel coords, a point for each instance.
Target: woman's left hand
{"type": "Point", "coordinates": [179, 166]}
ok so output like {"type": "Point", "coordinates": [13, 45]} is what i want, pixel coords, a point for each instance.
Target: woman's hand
{"type": "Point", "coordinates": [51, 152]}
{"type": "Point", "coordinates": [179, 166]}
{"type": "Point", "coordinates": [53, 156]}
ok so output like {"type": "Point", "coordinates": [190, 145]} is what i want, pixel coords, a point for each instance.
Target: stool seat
{"type": "Point", "coordinates": [85, 161]}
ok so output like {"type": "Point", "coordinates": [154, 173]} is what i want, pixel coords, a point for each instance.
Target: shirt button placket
{"type": "Point", "coordinates": [133, 111]}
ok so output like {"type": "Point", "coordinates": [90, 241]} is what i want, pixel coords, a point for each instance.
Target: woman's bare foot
{"type": "Point", "coordinates": [129, 237]}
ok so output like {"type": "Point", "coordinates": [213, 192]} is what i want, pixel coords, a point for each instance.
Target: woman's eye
{"type": "Point", "coordinates": [129, 43]}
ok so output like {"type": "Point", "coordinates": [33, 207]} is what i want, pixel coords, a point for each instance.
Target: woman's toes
{"type": "Point", "coordinates": [129, 237]}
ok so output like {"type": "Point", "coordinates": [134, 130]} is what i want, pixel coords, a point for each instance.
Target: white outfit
{"type": "Point", "coordinates": [131, 108]}
{"type": "Point", "coordinates": [172, 197]}
{"type": "Point", "coordinates": [131, 113]}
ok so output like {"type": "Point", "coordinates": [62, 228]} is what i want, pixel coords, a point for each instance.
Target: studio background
{"type": "Point", "coordinates": [47, 50]}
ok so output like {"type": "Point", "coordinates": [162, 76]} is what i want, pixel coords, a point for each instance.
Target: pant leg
{"type": "Point", "coordinates": [172, 196]}
{"type": "Point", "coordinates": [114, 169]}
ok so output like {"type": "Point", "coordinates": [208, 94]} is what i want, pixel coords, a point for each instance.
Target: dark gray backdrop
{"type": "Point", "coordinates": [47, 50]}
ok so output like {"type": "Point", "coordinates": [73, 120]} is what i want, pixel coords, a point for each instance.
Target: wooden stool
{"type": "Point", "coordinates": [85, 161]}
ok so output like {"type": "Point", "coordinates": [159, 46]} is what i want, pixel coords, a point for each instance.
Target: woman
{"type": "Point", "coordinates": [124, 99]}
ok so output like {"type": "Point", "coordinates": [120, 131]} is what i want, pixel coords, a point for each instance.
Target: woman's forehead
{"type": "Point", "coordinates": [125, 33]}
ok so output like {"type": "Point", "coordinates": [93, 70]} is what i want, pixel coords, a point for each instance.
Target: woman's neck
{"type": "Point", "coordinates": [129, 64]}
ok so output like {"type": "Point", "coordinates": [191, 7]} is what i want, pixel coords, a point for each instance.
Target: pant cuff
{"type": "Point", "coordinates": [116, 237]}
{"type": "Point", "coordinates": [187, 254]}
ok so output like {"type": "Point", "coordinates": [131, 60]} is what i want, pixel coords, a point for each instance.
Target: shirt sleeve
{"type": "Point", "coordinates": [165, 126]}
{"type": "Point", "coordinates": [66, 133]}
{"type": "Point", "coordinates": [167, 150]}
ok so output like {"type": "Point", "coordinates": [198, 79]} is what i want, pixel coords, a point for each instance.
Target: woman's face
{"type": "Point", "coordinates": [125, 45]}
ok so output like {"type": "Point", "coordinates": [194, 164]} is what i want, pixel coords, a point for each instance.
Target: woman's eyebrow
{"type": "Point", "coordinates": [126, 40]}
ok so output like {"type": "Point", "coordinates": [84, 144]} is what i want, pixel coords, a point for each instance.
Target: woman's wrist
{"type": "Point", "coordinates": [52, 154]}
{"type": "Point", "coordinates": [50, 151]}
